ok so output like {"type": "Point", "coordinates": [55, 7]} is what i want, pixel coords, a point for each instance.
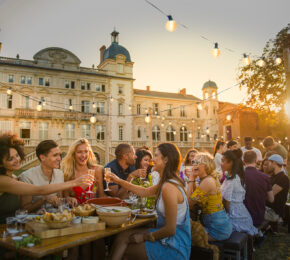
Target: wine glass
{"type": "Point", "coordinates": [11, 225]}
{"type": "Point", "coordinates": [90, 192]}
{"type": "Point", "coordinates": [132, 196]}
{"type": "Point", "coordinates": [20, 215]}
{"type": "Point", "coordinates": [107, 170]}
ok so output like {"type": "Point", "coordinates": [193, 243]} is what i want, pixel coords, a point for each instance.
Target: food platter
{"type": "Point", "coordinates": [144, 213]}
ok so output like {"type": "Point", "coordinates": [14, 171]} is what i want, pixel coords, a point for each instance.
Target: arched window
{"type": "Point", "coordinates": [156, 133]}
{"type": "Point", "coordinates": [183, 134]}
{"type": "Point", "coordinates": [170, 133]}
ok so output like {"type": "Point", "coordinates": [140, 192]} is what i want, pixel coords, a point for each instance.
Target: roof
{"type": "Point", "coordinates": [114, 49]}
{"type": "Point", "coordinates": [209, 84]}
{"type": "Point", "coordinates": [141, 92]}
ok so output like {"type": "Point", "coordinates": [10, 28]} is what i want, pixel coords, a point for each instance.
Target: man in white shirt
{"type": "Point", "coordinates": [47, 172]}
{"type": "Point", "coordinates": [249, 147]}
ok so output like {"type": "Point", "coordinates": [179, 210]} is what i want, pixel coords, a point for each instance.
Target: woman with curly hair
{"type": "Point", "coordinates": [208, 196]}
{"type": "Point", "coordinates": [11, 155]}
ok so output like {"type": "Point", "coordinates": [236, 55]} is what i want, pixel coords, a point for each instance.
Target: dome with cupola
{"type": "Point", "coordinates": [209, 84]}
{"type": "Point", "coordinates": [115, 49]}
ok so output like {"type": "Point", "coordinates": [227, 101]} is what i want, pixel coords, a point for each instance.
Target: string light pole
{"type": "Point", "coordinates": [148, 120]}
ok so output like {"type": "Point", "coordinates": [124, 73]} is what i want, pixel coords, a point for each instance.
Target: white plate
{"type": "Point", "coordinates": [128, 201]}
{"type": "Point", "coordinates": [17, 238]}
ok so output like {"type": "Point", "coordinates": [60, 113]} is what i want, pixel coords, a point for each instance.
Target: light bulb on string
{"type": "Point", "coordinates": [190, 135]}
{"type": "Point", "coordinates": [162, 124]}
{"type": "Point", "coordinates": [246, 59]}
{"type": "Point", "coordinates": [174, 132]}
{"type": "Point", "coordinates": [261, 62]}
{"type": "Point", "coordinates": [229, 117]}
{"type": "Point", "coordinates": [171, 25]}
{"type": "Point", "coordinates": [71, 107]}
{"type": "Point", "coordinates": [94, 105]}
{"type": "Point", "coordinates": [215, 51]}
{"type": "Point", "coordinates": [170, 123]}
{"type": "Point", "coordinates": [207, 131]}
{"type": "Point", "coordinates": [130, 107]}
{"type": "Point", "coordinates": [111, 99]}
{"type": "Point", "coordinates": [43, 102]}
{"type": "Point", "coordinates": [147, 119]}
{"type": "Point", "coordinates": [278, 60]}
{"type": "Point", "coordinates": [192, 121]}
{"type": "Point", "coordinates": [93, 119]}
{"type": "Point", "coordinates": [163, 118]}
{"type": "Point", "coordinates": [39, 106]}
{"type": "Point", "coordinates": [9, 91]}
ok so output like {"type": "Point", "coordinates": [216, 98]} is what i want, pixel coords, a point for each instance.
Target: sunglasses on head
{"type": "Point", "coordinates": [196, 162]}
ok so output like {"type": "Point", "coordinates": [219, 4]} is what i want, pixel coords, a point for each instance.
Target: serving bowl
{"type": "Point", "coordinates": [114, 216]}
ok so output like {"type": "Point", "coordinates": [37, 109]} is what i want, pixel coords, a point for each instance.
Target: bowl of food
{"type": "Point", "coordinates": [114, 216]}
{"type": "Point", "coordinates": [84, 210]}
{"type": "Point", "coordinates": [58, 219]}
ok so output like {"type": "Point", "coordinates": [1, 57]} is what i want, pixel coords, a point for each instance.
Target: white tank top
{"type": "Point", "coordinates": [181, 208]}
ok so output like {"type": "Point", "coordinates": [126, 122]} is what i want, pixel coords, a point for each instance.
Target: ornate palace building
{"type": "Point", "coordinates": [54, 97]}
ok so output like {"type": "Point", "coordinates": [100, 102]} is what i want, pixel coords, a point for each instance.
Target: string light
{"type": "Point", "coordinates": [192, 121]}
{"type": "Point", "coordinates": [39, 106]}
{"type": "Point", "coordinates": [147, 119]}
{"type": "Point", "coordinates": [215, 51]}
{"type": "Point", "coordinates": [93, 119]}
{"type": "Point", "coordinates": [190, 135]}
{"type": "Point", "coordinates": [278, 60]}
{"type": "Point", "coordinates": [130, 107]}
{"type": "Point", "coordinates": [170, 123]}
{"type": "Point", "coordinates": [199, 106]}
{"type": "Point", "coordinates": [207, 131]}
{"type": "Point", "coordinates": [174, 132]}
{"type": "Point", "coordinates": [111, 99]}
{"type": "Point", "coordinates": [94, 105]}
{"type": "Point", "coordinates": [261, 62]}
{"type": "Point", "coordinates": [9, 91]}
{"type": "Point", "coordinates": [246, 59]}
{"type": "Point", "coordinates": [162, 124]}
{"type": "Point", "coordinates": [71, 107]}
{"type": "Point", "coordinates": [170, 24]}
{"type": "Point", "coordinates": [43, 102]}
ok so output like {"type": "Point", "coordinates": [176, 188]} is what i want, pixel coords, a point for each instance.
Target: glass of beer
{"type": "Point", "coordinates": [107, 170]}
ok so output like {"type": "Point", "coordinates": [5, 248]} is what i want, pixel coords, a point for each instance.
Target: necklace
{"type": "Point", "coordinates": [201, 179]}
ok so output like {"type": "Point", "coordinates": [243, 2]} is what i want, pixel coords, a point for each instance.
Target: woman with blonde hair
{"type": "Point", "coordinates": [208, 196]}
{"type": "Point", "coordinates": [77, 162]}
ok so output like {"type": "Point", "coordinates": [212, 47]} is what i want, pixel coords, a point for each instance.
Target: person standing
{"type": "Point", "coordinates": [219, 148]}
{"type": "Point", "coordinates": [249, 147]}
{"type": "Point", "coordinates": [271, 145]}
{"type": "Point", "coordinates": [258, 188]}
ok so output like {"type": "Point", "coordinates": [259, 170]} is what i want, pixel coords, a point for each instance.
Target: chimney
{"type": "Point", "coordinates": [102, 49]}
{"type": "Point", "coordinates": [147, 88]}
{"type": "Point", "coordinates": [182, 91]}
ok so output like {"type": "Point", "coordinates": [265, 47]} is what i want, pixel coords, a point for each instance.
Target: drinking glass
{"type": "Point", "coordinates": [132, 196]}
{"type": "Point", "coordinates": [107, 170]}
{"type": "Point", "coordinates": [11, 225]}
{"type": "Point", "coordinates": [90, 192]}
{"type": "Point", "coordinates": [20, 215]}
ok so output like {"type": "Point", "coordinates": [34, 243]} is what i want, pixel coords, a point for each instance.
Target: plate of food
{"type": "Point", "coordinates": [59, 219]}
{"type": "Point", "coordinates": [35, 217]}
{"type": "Point", "coordinates": [84, 210]}
{"type": "Point", "coordinates": [144, 213]}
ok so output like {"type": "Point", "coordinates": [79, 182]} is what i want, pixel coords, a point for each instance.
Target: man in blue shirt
{"type": "Point", "coordinates": [124, 167]}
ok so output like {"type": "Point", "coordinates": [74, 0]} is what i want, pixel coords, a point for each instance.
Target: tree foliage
{"type": "Point", "coordinates": [266, 86]}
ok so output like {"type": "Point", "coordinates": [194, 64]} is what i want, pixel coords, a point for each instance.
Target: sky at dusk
{"type": "Point", "coordinates": [165, 61]}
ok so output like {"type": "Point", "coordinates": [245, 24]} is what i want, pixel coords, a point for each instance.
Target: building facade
{"type": "Point", "coordinates": [54, 97]}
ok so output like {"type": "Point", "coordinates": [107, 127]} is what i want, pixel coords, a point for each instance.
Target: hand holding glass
{"type": "Point", "coordinates": [91, 173]}
{"type": "Point", "coordinates": [107, 178]}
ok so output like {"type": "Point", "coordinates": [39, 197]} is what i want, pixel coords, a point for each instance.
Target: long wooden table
{"type": "Point", "coordinates": [55, 245]}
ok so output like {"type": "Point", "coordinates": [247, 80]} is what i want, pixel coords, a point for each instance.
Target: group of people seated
{"type": "Point", "coordinates": [231, 191]}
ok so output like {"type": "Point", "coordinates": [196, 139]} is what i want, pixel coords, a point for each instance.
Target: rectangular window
{"type": "Point", "coordinates": [29, 80]}
{"type": "Point", "coordinates": [25, 130]}
{"type": "Point", "coordinates": [197, 113]}
{"type": "Point", "coordinates": [121, 133]}
{"type": "Point", "coordinates": [11, 78]}
{"type": "Point", "coordinates": [156, 109]}
{"type": "Point", "coordinates": [100, 132]}
{"type": "Point", "coordinates": [120, 91]}
{"type": "Point", "coordinates": [101, 108]}
{"type": "Point", "coordinates": [66, 84]}
{"type": "Point", "coordinates": [27, 102]}
{"type": "Point", "coordinates": [88, 86]}
{"type": "Point", "coordinates": [47, 82]}
{"type": "Point", "coordinates": [70, 131]}
{"type": "Point", "coordinates": [169, 110]}
{"type": "Point", "coordinates": [40, 81]}
{"type": "Point", "coordinates": [138, 109]}
{"type": "Point", "coordinates": [9, 101]}
{"type": "Point", "coordinates": [83, 86]}
{"type": "Point", "coordinates": [22, 79]}
{"type": "Point", "coordinates": [43, 130]}
{"type": "Point", "coordinates": [85, 106]}
{"type": "Point", "coordinates": [120, 106]}
{"type": "Point", "coordinates": [103, 88]}
{"type": "Point", "coordinates": [182, 111]}
{"type": "Point", "coordinates": [98, 87]}
{"type": "Point", "coordinates": [72, 85]}
{"type": "Point", "coordinates": [5, 126]}
{"type": "Point", "coordinates": [86, 131]}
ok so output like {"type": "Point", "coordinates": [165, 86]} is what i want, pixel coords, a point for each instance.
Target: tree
{"type": "Point", "coordinates": [266, 86]}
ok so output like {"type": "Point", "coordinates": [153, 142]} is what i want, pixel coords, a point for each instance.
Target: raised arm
{"type": "Point", "coordinates": [140, 191]}
{"type": "Point", "coordinates": [13, 186]}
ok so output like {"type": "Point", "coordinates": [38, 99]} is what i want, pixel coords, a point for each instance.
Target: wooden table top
{"type": "Point", "coordinates": [57, 244]}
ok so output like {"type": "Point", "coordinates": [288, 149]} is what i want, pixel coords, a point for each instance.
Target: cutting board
{"type": "Point", "coordinates": [43, 231]}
